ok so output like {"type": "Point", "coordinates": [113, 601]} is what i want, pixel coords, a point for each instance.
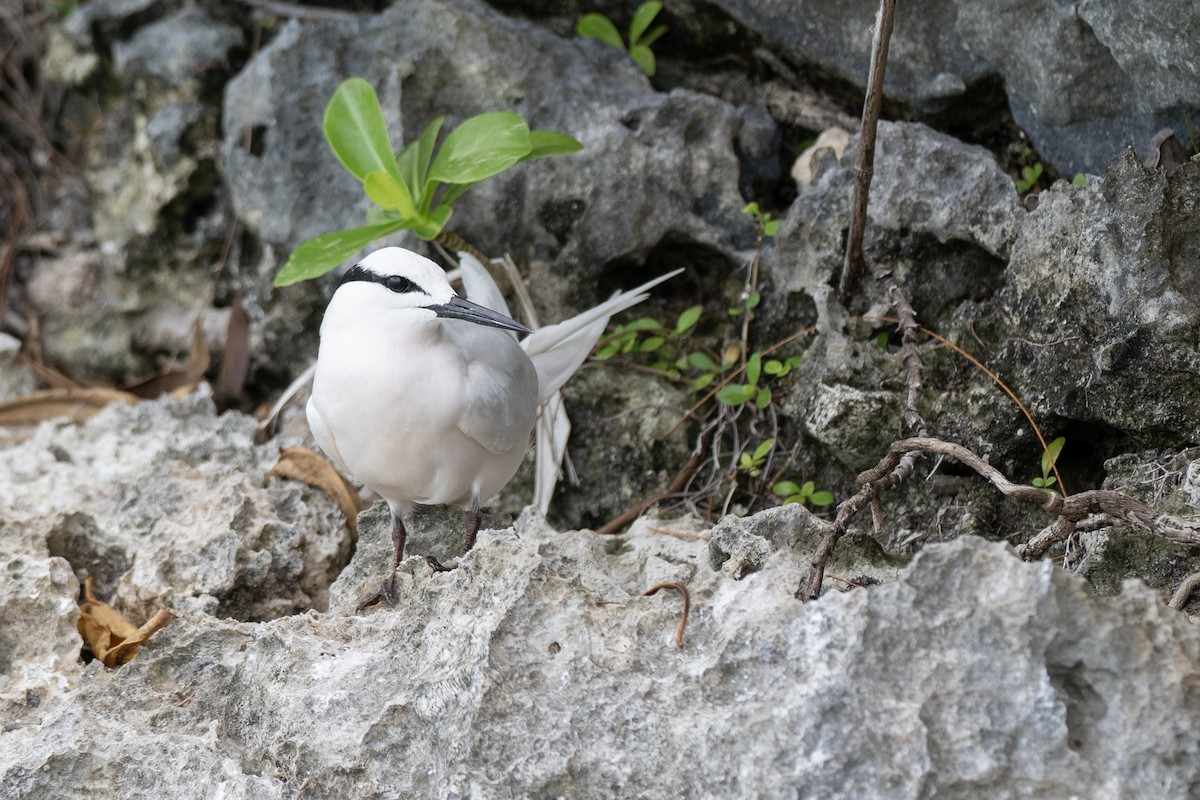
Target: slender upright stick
{"type": "Point", "coordinates": [865, 163]}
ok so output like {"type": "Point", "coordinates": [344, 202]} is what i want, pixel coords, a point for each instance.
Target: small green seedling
{"type": "Point", "coordinates": [769, 225]}
{"type": "Point", "coordinates": [1029, 176]}
{"type": "Point", "coordinates": [806, 495]}
{"type": "Point", "coordinates": [753, 464]}
{"type": "Point", "coordinates": [1079, 180]}
{"type": "Point", "coordinates": [416, 188]}
{"type": "Point", "coordinates": [601, 28]}
{"type": "Point", "coordinates": [1049, 458]}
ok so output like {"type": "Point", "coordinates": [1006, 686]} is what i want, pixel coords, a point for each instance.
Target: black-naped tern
{"type": "Point", "coordinates": [427, 398]}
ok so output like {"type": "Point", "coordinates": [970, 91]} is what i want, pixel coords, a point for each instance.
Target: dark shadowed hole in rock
{"type": "Point", "coordinates": [80, 541]}
{"type": "Point", "coordinates": [1088, 446]}
{"type": "Point", "coordinates": [1084, 705]}
{"type": "Point", "coordinates": [258, 140]}
{"type": "Point", "coordinates": [980, 115]}
{"type": "Point", "coordinates": [707, 270]}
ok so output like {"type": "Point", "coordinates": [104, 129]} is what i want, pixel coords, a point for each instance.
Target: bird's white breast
{"type": "Point", "coordinates": [418, 408]}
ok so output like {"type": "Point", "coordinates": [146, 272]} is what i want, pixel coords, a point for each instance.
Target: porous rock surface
{"type": "Point", "coordinates": [537, 669]}
{"type": "Point", "coordinates": [167, 504]}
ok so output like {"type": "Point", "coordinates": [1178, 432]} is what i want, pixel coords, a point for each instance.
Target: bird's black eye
{"type": "Point", "coordinates": [400, 284]}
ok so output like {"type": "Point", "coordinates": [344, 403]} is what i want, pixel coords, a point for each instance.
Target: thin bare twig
{"type": "Point", "coordinates": [864, 165]}
{"type": "Point", "coordinates": [687, 606]}
{"type": "Point", "coordinates": [677, 485]}
{"type": "Point", "coordinates": [1117, 506]}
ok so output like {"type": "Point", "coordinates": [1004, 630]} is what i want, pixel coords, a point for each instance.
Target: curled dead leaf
{"type": "Point", "coordinates": [112, 638]}
{"type": "Point", "coordinates": [302, 464]}
{"type": "Point", "coordinates": [76, 404]}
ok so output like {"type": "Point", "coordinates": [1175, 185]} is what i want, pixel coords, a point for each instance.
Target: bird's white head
{"type": "Point", "coordinates": [393, 278]}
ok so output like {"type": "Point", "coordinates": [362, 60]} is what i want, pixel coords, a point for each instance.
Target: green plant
{"type": "Point", "coordinates": [599, 27]}
{"type": "Point", "coordinates": [752, 464]}
{"type": "Point", "coordinates": [804, 495]}
{"type": "Point", "coordinates": [1079, 180]}
{"type": "Point", "coordinates": [1029, 176]}
{"type": "Point", "coordinates": [416, 188]}
{"type": "Point", "coordinates": [768, 224]}
{"type": "Point", "coordinates": [1049, 459]}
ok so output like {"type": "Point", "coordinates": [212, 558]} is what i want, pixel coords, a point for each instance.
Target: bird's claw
{"type": "Point", "coordinates": [439, 566]}
{"type": "Point", "coordinates": [386, 593]}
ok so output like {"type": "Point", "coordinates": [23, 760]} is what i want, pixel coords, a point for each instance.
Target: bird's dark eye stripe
{"type": "Point", "coordinates": [397, 283]}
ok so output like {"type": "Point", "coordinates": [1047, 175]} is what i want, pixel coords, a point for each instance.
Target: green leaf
{"type": "Point", "coordinates": [652, 343]}
{"type": "Point", "coordinates": [763, 399]}
{"type": "Point", "coordinates": [771, 228]}
{"type": "Point", "coordinates": [356, 131]}
{"type": "Point", "coordinates": [736, 311]}
{"type": "Point", "coordinates": [645, 324]}
{"type": "Point", "coordinates": [1079, 180]}
{"type": "Point", "coordinates": [687, 320]}
{"type": "Point", "coordinates": [753, 369]}
{"type": "Point", "coordinates": [807, 488]}
{"type": "Point", "coordinates": [751, 209]}
{"type": "Point", "coordinates": [551, 143]}
{"type": "Point", "coordinates": [744, 461]}
{"type": "Point", "coordinates": [428, 226]}
{"type": "Point", "coordinates": [1039, 482]}
{"type": "Point", "coordinates": [608, 350]}
{"type": "Point", "coordinates": [600, 27]}
{"type": "Point", "coordinates": [785, 488]}
{"type": "Point", "coordinates": [773, 367]}
{"type": "Point", "coordinates": [642, 18]}
{"type": "Point", "coordinates": [317, 256]}
{"type": "Point", "coordinates": [1050, 454]}
{"type": "Point", "coordinates": [644, 58]}
{"type": "Point", "coordinates": [821, 498]}
{"type": "Point", "coordinates": [703, 381]}
{"type": "Point", "coordinates": [734, 394]}
{"type": "Point", "coordinates": [702, 361]}
{"type": "Point", "coordinates": [652, 37]}
{"type": "Point", "coordinates": [481, 147]}
{"type": "Point", "coordinates": [413, 162]}
{"type": "Point", "coordinates": [761, 451]}
{"type": "Point", "coordinates": [389, 192]}
{"type": "Point", "coordinates": [881, 339]}
{"type": "Point", "coordinates": [753, 301]}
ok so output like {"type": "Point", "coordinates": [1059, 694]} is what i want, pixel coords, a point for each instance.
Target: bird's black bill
{"type": "Point", "coordinates": [458, 308]}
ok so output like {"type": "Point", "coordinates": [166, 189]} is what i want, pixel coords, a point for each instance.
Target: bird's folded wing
{"type": "Point", "coordinates": [500, 404]}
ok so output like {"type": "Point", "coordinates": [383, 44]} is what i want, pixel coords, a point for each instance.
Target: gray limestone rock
{"type": "Point", "coordinates": [538, 669]}
{"type": "Point", "coordinates": [167, 504]}
{"type": "Point", "coordinates": [1084, 79]}
{"type": "Point", "coordinates": [1102, 303]}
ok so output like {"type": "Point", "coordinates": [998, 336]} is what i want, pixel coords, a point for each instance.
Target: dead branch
{"type": "Point", "coordinates": [864, 165]}
{"type": "Point", "coordinates": [894, 469]}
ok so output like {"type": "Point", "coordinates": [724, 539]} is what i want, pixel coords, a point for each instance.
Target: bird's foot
{"type": "Point", "coordinates": [386, 593]}
{"type": "Point", "coordinates": [439, 566]}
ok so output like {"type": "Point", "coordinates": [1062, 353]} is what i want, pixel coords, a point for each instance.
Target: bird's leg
{"type": "Point", "coordinates": [473, 518]}
{"type": "Point", "coordinates": [387, 590]}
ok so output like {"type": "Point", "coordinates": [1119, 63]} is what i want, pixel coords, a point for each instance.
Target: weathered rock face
{"type": "Point", "coordinates": [1084, 80]}
{"type": "Point", "coordinates": [168, 505]}
{"type": "Point", "coordinates": [537, 669]}
{"type": "Point", "coordinates": [1103, 299]}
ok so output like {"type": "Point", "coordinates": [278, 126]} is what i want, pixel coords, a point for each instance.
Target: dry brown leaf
{"type": "Point", "coordinates": [75, 404]}
{"type": "Point", "coordinates": [112, 638]}
{"type": "Point", "coordinates": [235, 359]}
{"type": "Point", "coordinates": [301, 464]}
